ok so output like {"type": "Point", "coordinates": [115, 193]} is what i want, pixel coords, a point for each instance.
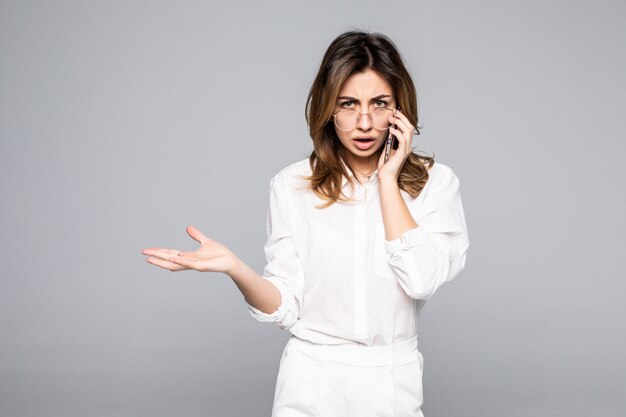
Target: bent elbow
{"type": "Point", "coordinates": [423, 294]}
{"type": "Point", "coordinates": [287, 313]}
{"type": "Point", "coordinates": [420, 277]}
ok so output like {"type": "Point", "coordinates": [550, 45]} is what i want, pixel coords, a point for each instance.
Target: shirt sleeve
{"type": "Point", "coordinates": [283, 267]}
{"type": "Point", "coordinates": [434, 252]}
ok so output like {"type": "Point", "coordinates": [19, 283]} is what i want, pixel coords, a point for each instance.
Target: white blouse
{"type": "Point", "coordinates": [339, 279]}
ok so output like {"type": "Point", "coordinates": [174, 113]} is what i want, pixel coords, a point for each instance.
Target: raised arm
{"type": "Point", "coordinates": [427, 255]}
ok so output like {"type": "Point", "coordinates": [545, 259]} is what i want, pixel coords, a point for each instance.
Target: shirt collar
{"type": "Point", "coordinates": [344, 179]}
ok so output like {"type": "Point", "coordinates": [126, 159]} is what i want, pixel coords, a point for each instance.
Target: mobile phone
{"type": "Point", "coordinates": [392, 141]}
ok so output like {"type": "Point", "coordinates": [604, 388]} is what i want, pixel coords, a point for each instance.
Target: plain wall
{"type": "Point", "coordinates": [123, 122]}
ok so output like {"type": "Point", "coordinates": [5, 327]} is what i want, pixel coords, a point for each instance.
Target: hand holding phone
{"type": "Point", "coordinates": [392, 141]}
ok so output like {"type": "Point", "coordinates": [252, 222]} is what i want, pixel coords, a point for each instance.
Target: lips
{"type": "Point", "coordinates": [364, 144]}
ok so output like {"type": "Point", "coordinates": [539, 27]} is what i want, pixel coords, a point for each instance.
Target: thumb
{"type": "Point", "coordinates": [197, 235]}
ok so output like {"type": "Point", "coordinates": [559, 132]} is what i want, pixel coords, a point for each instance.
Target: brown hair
{"type": "Point", "coordinates": [356, 51]}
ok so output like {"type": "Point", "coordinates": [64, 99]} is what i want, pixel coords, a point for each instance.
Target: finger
{"type": "Point", "coordinates": [161, 252]}
{"type": "Point", "coordinates": [408, 123]}
{"type": "Point", "coordinates": [403, 123]}
{"type": "Point", "coordinates": [171, 266]}
{"type": "Point", "coordinates": [398, 134]}
{"type": "Point", "coordinates": [186, 262]}
{"type": "Point", "coordinates": [404, 142]}
{"type": "Point", "coordinates": [402, 117]}
{"type": "Point", "coordinates": [197, 235]}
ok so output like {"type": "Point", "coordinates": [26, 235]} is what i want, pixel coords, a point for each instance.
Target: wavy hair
{"type": "Point", "coordinates": [356, 51]}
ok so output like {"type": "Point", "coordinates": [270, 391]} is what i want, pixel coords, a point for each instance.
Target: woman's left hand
{"type": "Point", "coordinates": [404, 133]}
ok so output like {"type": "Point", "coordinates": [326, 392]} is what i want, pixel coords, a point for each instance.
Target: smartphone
{"type": "Point", "coordinates": [392, 141]}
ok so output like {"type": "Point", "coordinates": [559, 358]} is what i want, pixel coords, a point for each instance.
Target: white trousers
{"type": "Point", "coordinates": [349, 380]}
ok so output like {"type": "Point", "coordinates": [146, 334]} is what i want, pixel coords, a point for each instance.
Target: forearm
{"type": "Point", "coordinates": [258, 292]}
{"type": "Point", "coordinates": [397, 218]}
{"type": "Point", "coordinates": [425, 257]}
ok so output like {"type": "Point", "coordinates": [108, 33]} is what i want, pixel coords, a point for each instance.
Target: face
{"type": "Point", "coordinates": [364, 92]}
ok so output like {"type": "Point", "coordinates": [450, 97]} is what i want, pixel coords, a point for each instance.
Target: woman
{"type": "Point", "coordinates": [357, 241]}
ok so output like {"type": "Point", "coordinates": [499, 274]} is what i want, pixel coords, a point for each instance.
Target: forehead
{"type": "Point", "coordinates": [368, 82]}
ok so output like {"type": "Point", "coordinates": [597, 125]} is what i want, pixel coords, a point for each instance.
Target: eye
{"type": "Point", "coordinates": [347, 103]}
{"type": "Point", "coordinates": [382, 103]}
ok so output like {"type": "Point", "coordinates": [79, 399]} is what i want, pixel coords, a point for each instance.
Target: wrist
{"type": "Point", "coordinates": [387, 179]}
{"type": "Point", "coordinates": [236, 267]}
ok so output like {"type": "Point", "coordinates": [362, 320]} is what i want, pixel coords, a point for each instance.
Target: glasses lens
{"type": "Point", "coordinates": [380, 118]}
{"type": "Point", "coordinates": [346, 119]}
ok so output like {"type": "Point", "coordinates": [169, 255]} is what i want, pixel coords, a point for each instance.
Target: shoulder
{"type": "Point", "coordinates": [293, 173]}
{"type": "Point", "coordinates": [290, 177]}
{"type": "Point", "coordinates": [442, 174]}
{"type": "Point", "coordinates": [442, 180]}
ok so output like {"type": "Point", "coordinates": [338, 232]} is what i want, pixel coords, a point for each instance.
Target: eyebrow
{"type": "Point", "coordinates": [378, 97]}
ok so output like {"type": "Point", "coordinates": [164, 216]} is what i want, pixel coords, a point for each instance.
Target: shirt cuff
{"type": "Point", "coordinates": [407, 240]}
{"type": "Point", "coordinates": [261, 316]}
{"type": "Point", "coordinates": [277, 315]}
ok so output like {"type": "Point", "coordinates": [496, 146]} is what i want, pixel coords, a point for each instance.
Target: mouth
{"type": "Point", "coordinates": [364, 143]}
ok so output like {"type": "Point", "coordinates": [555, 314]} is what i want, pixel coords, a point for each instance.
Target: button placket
{"type": "Point", "coordinates": [359, 265]}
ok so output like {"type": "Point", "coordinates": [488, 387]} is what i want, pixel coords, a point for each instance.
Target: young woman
{"type": "Point", "coordinates": [360, 234]}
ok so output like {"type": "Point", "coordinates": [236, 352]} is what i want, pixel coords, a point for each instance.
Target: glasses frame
{"type": "Point", "coordinates": [358, 118]}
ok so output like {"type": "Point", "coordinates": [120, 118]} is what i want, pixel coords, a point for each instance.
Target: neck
{"type": "Point", "coordinates": [364, 166]}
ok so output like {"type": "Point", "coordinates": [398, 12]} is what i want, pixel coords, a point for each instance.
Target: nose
{"type": "Point", "coordinates": [365, 121]}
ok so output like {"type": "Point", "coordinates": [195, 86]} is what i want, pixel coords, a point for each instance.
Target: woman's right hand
{"type": "Point", "coordinates": [212, 256]}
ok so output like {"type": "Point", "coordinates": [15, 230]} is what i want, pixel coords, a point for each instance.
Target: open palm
{"type": "Point", "coordinates": [212, 256]}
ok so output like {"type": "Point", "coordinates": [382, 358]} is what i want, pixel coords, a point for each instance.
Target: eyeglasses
{"type": "Point", "coordinates": [347, 119]}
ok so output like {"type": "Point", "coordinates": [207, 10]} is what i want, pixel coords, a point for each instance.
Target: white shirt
{"type": "Point", "coordinates": [340, 281]}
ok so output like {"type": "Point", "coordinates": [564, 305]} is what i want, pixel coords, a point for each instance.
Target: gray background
{"type": "Point", "coordinates": [124, 122]}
